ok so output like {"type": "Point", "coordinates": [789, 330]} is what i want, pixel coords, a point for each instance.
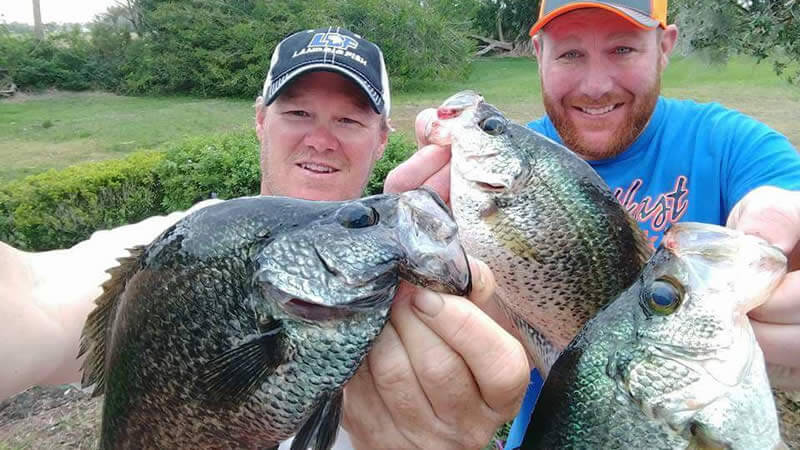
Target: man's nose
{"type": "Point", "coordinates": [597, 79]}
{"type": "Point", "coordinates": [321, 138]}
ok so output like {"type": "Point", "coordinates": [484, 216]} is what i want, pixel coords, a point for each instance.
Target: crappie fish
{"type": "Point", "coordinates": [559, 243]}
{"type": "Point", "coordinates": [673, 361]}
{"type": "Point", "coordinates": [239, 325]}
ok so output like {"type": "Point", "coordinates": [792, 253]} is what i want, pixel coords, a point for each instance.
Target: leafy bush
{"type": "Point", "coordinates": [399, 149]}
{"type": "Point", "coordinates": [195, 169]}
{"type": "Point", "coordinates": [57, 61]}
{"type": "Point", "coordinates": [58, 209]}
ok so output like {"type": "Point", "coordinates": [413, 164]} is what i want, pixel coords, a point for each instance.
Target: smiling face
{"type": "Point", "coordinates": [320, 139]}
{"type": "Point", "coordinates": [601, 77]}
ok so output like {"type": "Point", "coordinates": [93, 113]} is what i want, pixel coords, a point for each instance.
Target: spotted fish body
{"type": "Point", "coordinates": [238, 326]}
{"type": "Point", "coordinates": [673, 362]}
{"type": "Point", "coordinates": [558, 242]}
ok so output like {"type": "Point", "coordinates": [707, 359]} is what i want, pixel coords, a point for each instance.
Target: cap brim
{"type": "Point", "coordinates": [637, 18]}
{"type": "Point", "coordinates": [288, 78]}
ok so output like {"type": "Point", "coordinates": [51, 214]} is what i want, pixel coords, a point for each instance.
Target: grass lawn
{"type": "Point", "coordinates": [55, 130]}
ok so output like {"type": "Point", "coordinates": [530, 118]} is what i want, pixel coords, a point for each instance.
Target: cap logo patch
{"type": "Point", "coordinates": [334, 40]}
{"type": "Point", "coordinates": [335, 43]}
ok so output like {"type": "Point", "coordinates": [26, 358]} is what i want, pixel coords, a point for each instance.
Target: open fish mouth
{"type": "Point", "coordinates": [455, 104]}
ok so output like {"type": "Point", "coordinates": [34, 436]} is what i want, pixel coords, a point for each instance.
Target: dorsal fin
{"type": "Point", "coordinates": [95, 330]}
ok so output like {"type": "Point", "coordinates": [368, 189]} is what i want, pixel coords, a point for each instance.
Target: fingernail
{"type": "Point", "coordinates": [476, 271]}
{"type": "Point", "coordinates": [428, 302]}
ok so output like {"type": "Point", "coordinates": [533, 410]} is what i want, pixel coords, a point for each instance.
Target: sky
{"type": "Point", "coordinates": [61, 11]}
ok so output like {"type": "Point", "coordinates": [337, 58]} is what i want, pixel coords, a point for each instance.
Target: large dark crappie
{"type": "Point", "coordinates": [239, 325]}
{"type": "Point", "coordinates": [673, 362]}
{"type": "Point", "coordinates": [559, 243]}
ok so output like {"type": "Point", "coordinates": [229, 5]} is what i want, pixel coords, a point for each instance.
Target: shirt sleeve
{"type": "Point", "coordinates": [753, 155]}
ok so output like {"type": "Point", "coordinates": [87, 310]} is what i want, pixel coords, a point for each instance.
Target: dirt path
{"type": "Point", "coordinates": [57, 417]}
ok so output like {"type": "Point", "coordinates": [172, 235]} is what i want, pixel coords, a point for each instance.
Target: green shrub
{"type": "Point", "coordinates": [57, 209]}
{"type": "Point", "coordinates": [399, 149]}
{"type": "Point", "coordinates": [225, 166]}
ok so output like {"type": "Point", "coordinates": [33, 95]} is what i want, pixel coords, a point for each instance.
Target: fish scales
{"type": "Point", "coordinates": [673, 362]}
{"type": "Point", "coordinates": [558, 242]}
{"type": "Point", "coordinates": [238, 326]}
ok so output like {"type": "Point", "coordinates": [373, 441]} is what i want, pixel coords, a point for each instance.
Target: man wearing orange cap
{"type": "Point", "coordinates": [666, 160]}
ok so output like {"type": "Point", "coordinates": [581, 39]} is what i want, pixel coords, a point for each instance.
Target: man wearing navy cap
{"type": "Point", "coordinates": [432, 379]}
{"type": "Point", "coordinates": [666, 160]}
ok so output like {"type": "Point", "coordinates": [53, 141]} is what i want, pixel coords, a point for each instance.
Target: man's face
{"type": "Point", "coordinates": [601, 77]}
{"type": "Point", "coordinates": [319, 139]}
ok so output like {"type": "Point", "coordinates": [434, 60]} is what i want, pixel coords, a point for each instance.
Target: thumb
{"type": "Point", "coordinates": [770, 213]}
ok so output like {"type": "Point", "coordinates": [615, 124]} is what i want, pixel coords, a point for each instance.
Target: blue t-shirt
{"type": "Point", "coordinates": [692, 162]}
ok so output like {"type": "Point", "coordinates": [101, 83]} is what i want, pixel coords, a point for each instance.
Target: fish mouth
{"type": "Point", "coordinates": [489, 187]}
{"type": "Point", "coordinates": [457, 103]}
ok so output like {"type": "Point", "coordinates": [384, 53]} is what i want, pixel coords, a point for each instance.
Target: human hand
{"type": "Point", "coordinates": [774, 215]}
{"type": "Point", "coordinates": [442, 374]}
{"type": "Point", "coordinates": [429, 165]}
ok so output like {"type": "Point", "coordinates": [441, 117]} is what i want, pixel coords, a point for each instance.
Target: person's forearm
{"type": "Point", "coordinates": [29, 347]}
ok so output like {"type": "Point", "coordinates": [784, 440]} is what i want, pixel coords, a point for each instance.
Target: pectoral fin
{"type": "Point", "coordinates": [234, 375]}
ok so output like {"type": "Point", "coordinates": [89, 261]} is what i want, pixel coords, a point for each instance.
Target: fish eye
{"type": "Point", "coordinates": [358, 216]}
{"type": "Point", "coordinates": [665, 296]}
{"type": "Point", "coordinates": [493, 125]}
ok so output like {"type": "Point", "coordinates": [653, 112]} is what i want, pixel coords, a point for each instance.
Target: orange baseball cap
{"type": "Point", "coordinates": [642, 13]}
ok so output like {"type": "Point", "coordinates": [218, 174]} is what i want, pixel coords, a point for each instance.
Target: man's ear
{"type": "Point", "coordinates": [537, 46]}
{"type": "Point", "coordinates": [668, 39]}
{"type": "Point", "coordinates": [261, 115]}
{"type": "Point", "coordinates": [383, 143]}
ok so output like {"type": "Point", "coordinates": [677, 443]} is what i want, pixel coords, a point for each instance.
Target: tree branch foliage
{"type": "Point", "coordinates": [222, 47]}
{"type": "Point", "coordinates": [768, 30]}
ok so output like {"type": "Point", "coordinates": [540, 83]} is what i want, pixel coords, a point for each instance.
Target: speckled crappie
{"type": "Point", "coordinates": [559, 243]}
{"type": "Point", "coordinates": [673, 362]}
{"type": "Point", "coordinates": [239, 325]}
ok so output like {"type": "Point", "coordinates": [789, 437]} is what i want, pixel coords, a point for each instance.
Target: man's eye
{"type": "Point", "coordinates": [572, 54]}
{"type": "Point", "coordinates": [349, 121]}
{"type": "Point", "coordinates": [623, 50]}
{"type": "Point", "coordinates": [297, 113]}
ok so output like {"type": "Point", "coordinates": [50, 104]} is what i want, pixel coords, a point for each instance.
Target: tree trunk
{"type": "Point", "coordinates": [38, 30]}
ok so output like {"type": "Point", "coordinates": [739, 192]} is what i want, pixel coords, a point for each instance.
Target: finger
{"type": "Point", "coordinates": [771, 214]}
{"type": "Point", "coordinates": [361, 395]}
{"type": "Point", "coordinates": [440, 182]}
{"type": "Point", "coordinates": [784, 378]}
{"type": "Point", "coordinates": [366, 416]}
{"type": "Point", "coordinates": [778, 342]}
{"type": "Point", "coordinates": [393, 374]}
{"type": "Point", "coordinates": [441, 372]}
{"type": "Point", "coordinates": [483, 282]}
{"type": "Point", "coordinates": [784, 305]}
{"type": "Point", "coordinates": [496, 359]}
{"type": "Point", "coordinates": [416, 170]}
{"type": "Point", "coordinates": [422, 126]}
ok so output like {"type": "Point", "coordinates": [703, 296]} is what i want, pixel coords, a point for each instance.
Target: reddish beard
{"type": "Point", "coordinates": [621, 139]}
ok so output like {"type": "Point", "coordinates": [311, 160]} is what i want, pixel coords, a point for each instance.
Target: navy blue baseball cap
{"type": "Point", "coordinates": [332, 49]}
